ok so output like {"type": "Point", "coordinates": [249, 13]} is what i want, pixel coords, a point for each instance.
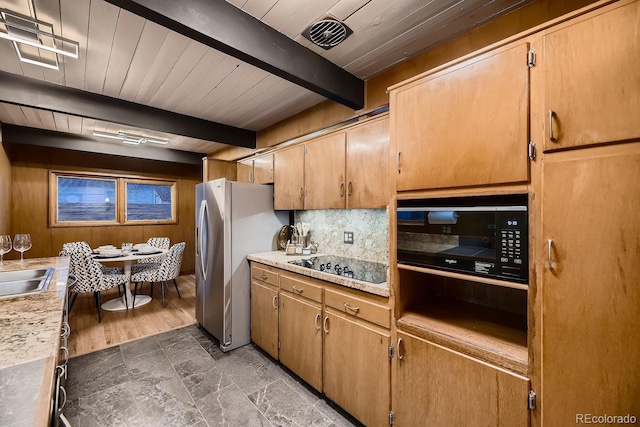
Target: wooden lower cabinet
{"type": "Point", "coordinates": [356, 367]}
{"type": "Point", "coordinates": [591, 293]}
{"type": "Point", "coordinates": [436, 387]}
{"type": "Point", "coordinates": [264, 317]}
{"type": "Point", "coordinates": [301, 338]}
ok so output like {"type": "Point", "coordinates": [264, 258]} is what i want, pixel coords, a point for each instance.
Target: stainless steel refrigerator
{"type": "Point", "coordinates": [232, 220]}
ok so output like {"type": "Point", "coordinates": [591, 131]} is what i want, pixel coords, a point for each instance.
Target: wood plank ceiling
{"type": "Point", "coordinates": [125, 56]}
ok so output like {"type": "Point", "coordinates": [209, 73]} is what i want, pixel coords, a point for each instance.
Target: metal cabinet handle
{"type": "Point", "coordinates": [66, 331]}
{"type": "Point", "coordinates": [263, 276]}
{"type": "Point", "coordinates": [551, 137]}
{"type": "Point", "coordinates": [66, 354]}
{"type": "Point", "coordinates": [273, 303]}
{"type": "Point", "coordinates": [64, 402]}
{"type": "Point", "coordinates": [350, 188]}
{"type": "Point", "coordinates": [315, 322]}
{"type": "Point", "coordinates": [398, 161]}
{"type": "Point", "coordinates": [342, 189]}
{"type": "Point", "coordinates": [549, 245]}
{"type": "Point", "coordinates": [301, 193]}
{"type": "Point", "coordinates": [400, 356]}
{"type": "Point", "coordinates": [352, 308]}
{"type": "Point", "coordinates": [324, 325]}
{"type": "Point", "coordinates": [298, 290]}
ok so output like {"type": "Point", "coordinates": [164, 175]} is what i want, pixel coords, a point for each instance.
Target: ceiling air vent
{"type": "Point", "coordinates": [327, 32]}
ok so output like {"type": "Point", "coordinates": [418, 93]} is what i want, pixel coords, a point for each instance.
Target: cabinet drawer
{"type": "Point", "coordinates": [358, 307]}
{"type": "Point", "coordinates": [263, 274]}
{"type": "Point", "coordinates": [301, 287]}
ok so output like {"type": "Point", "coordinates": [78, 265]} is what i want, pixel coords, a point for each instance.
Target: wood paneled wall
{"type": "Point", "coordinates": [29, 212]}
{"type": "Point", "coordinates": [329, 113]}
{"type": "Point", "coordinates": [5, 189]}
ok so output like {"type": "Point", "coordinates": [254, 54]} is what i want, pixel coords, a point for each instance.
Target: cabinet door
{"type": "Point", "coordinates": [591, 297]}
{"type": "Point", "coordinates": [288, 178]}
{"type": "Point", "coordinates": [301, 338]}
{"type": "Point", "coordinates": [467, 125]}
{"type": "Point", "coordinates": [324, 172]}
{"type": "Point", "coordinates": [264, 317]}
{"type": "Point", "coordinates": [356, 368]}
{"type": "Point", "coordinates": [368, 165]}
{"type": "Point", "coordinates": [245, 171]}
{"type": "Point", "coordinates": [592, 80]}
{"type": "Point", "coordinates": [438, 387]}
{"type": "Point", "coordinates": [263, 169]}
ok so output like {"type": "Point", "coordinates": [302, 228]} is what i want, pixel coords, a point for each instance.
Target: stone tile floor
{"type": "Point", "coordinates": [182, 378]}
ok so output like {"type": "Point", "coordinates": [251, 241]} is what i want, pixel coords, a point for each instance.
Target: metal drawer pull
{"type": "Point", "coordinates": [551, 137]}
{"type": "Point", "coordinates": [263, 276]}
{"type": "Point", "coordinates": [298, 290]}
{"type": "Point", "coordinates": [400, 356]}
{"type": "Point", "coordinates": [273, 303]}
{"type": "Point", "coordinates": [398, 161]}
{"type": "Point", "coordinates": [315, 322]}
{"type": "Point", "coordinates": [352, 308]}
{"type": "Point", "coordinates": [549, 245]}
{"type": "Point", "coordinates": [324, 325]}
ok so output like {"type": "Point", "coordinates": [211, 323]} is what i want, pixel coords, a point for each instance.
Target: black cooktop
{"type": "Point", "coordinates": [367, 271]}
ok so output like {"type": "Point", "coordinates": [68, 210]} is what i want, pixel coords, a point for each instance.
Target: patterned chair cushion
{"type": "Point", "coordinates": [169, 268]}
{"type": "Point", "coordinates": [69, 248]}
{"type": "Point", "coordinates": [160, 243]}
{"type": "Point", "coordinates": [90, 277]}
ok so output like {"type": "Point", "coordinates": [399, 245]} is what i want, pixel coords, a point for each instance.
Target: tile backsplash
{"type": "Point", "coordinates": [370, 229]}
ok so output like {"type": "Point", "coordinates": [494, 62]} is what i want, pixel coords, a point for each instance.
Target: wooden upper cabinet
{"type": "Point", "coordinates": [325, 171]}
{"type": "Point", "coordinates": [245, 171]}
{"type": "Point", "coordinates": [288, 182]}
{"type": "Point", "coordinates": [464, 125]}
{"type": "Point", "coordinates": [592, 82]}
{"type": "Point", "coordinates": [263, 169]}
{"type": "Point", "coordinates": [368, 165]}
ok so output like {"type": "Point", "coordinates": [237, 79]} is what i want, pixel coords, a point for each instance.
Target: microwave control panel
{"type": "Point", "coordinates": [512, 249]}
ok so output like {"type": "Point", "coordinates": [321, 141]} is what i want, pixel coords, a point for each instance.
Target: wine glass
{"type": "Point", "coordinates": [22, 243]}
{"type": "Point", "coordinates": [5, 246]}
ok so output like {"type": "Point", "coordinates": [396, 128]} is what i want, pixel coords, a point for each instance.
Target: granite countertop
{"type": "Point", "coordinates": [281, 260]}
{"type": "Point", "coordinates": [30, 327]}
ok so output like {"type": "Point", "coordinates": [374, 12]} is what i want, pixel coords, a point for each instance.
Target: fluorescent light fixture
{"type": "Point", "coordinates": [22, 29]}
{"type": "Point", "coordinates": [130, 139]}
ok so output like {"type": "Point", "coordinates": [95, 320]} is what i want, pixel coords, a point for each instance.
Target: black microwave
{"type": "Point", "coordinates": [482, 235]}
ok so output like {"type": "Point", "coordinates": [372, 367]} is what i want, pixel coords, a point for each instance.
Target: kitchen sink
{"type": "Point", "coordinates": [18, 282]}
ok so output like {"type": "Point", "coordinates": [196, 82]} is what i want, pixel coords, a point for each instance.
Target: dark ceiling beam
{"type": "Point", "coordinates": [224, 27]}
{"type": "Point", "coordinates": [12, 134]}
{"type": "Point", "coordinates": [28, 92]}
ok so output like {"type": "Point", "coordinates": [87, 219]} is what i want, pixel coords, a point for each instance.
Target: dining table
{"type": "Point", "coordinates": [120, 303]}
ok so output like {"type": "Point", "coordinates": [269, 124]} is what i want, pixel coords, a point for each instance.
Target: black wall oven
{"type": "Point", "coordinates": [483, 235]}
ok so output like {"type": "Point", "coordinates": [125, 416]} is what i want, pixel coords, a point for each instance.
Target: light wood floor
{"type": "Point", "coordinates": [117, 327]}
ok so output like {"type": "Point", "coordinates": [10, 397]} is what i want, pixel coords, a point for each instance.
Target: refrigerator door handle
{"type": "Point", "coordinates": [204, 214]}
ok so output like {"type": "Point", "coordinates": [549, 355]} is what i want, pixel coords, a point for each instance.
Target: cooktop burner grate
{"type": "Point", "coordinates": [366, 271]}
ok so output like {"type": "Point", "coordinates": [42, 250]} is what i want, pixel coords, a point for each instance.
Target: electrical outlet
{"type": "Point", "coordinates": [348, 237]}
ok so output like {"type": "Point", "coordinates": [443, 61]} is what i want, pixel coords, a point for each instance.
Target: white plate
{"type": "Point", "coordinates": [110, 252]}
{"type": "Point", "coordinates": [140, 245]}
{"type": "Point", "coordinates": [148, 250]}
{"type": "Point", "coordinates": [105, 247]}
